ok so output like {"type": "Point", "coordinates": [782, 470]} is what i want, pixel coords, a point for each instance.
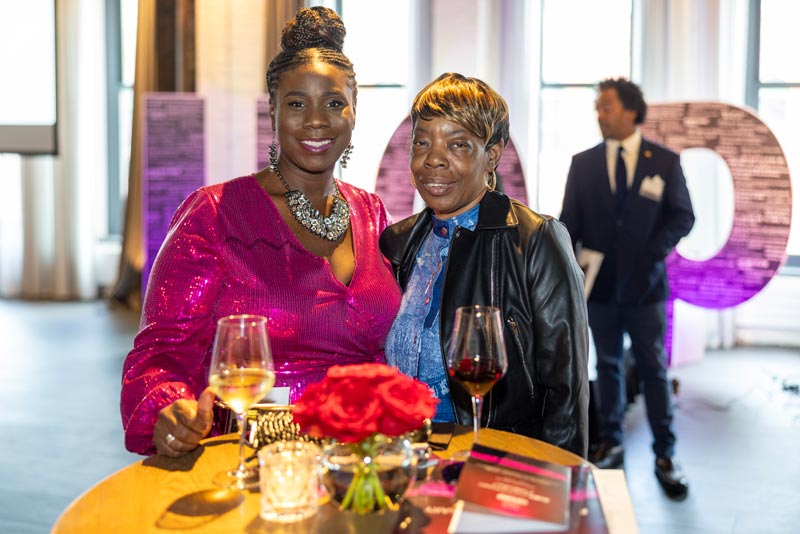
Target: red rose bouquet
{"type": "Point", "coordinates": [362, 405]}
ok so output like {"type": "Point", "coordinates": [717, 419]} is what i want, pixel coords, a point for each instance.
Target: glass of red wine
{"type": "Point", "coordinates": [477, 356]}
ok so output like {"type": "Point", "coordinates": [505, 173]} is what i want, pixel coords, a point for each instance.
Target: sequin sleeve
{"type": "Point", "coordinates": [168, 360]}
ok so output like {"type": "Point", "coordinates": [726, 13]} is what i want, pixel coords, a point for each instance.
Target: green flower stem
{"type": "Point", "coordinates": [366, 492]}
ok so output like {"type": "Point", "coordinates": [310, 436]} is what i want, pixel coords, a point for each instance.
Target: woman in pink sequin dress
{"type": "Point", "coordinates": [242, 247]}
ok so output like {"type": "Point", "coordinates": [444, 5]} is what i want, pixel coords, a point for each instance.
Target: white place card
{"type": "Point", "coordinates": [279, 395]}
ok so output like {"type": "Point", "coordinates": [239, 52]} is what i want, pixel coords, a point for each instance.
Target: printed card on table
{"type": "Point", "coordinates": [503, 492]}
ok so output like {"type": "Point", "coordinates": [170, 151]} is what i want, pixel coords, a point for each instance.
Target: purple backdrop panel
{"type": "Point", "coordinates": [510, 175]}
{"type": "Point", "coordinates": [756, 246]}
{"type": "Point", "coordinates": [393, 183]}
{"type": "Point", "coordinates": [173, 163]}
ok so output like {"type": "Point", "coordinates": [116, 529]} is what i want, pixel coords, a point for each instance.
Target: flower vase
{"type": "Point", "coordinates": [370, 475]}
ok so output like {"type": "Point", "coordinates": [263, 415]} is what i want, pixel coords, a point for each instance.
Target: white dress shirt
{"type": "Point", "coordinates": [630, 154]}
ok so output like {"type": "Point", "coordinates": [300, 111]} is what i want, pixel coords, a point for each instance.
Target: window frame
{"type": "Point", "coordinates": [752, 89]}
{"type": "Point", "coordinates": [115, 206]}
{"type": "Point", "coordinates": [115, 86]}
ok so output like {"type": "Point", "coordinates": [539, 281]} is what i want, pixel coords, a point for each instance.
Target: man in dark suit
{"type": "Point", "coordinates": [626, 198]}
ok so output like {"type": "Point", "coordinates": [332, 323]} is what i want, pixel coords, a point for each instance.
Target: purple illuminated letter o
{"type": "Point", "coordinates": [762, 201]}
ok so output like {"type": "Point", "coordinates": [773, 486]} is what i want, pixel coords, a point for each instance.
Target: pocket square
{"type": "Point", "coordinates": [652, 187]}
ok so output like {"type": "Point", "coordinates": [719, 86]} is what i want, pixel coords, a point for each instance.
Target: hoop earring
{"type": "Point", "coordinates": [346, 155]}
{"type": "Point", "coordinates": [273, 155]}
{"type": "Point", "coordinates": [492, 182]}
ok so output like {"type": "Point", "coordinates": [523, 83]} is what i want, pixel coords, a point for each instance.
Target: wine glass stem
{"type": "Point", "coordinates": [240, 418]}
{"type": "Point", "coordinates": [477, 404]}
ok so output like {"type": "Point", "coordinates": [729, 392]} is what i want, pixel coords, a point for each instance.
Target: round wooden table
{"type": "Point", "coordinates": [160, 494]}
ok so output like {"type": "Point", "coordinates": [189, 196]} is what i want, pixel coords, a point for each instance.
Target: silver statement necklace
{"type": "Point", "coordinates": [332, 227]}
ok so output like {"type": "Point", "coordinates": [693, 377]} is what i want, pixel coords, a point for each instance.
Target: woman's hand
{"type": "Point", "coordinates": [182, 425]}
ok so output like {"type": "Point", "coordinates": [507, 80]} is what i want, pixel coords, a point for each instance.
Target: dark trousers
{"type": "Point", "coordinates": [646, 325]}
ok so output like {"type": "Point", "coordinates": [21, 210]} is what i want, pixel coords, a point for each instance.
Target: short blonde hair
{"type": "Point", "coordinates": [469, 102]}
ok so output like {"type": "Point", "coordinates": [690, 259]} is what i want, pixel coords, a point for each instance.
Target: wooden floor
{"type": "Point", "coordinates": [737, 420]}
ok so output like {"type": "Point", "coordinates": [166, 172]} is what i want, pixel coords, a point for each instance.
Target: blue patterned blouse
{"type": "Point", "coordinates": [413, 344]}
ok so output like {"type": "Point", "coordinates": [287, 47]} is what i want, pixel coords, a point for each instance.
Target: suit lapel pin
{"type": "Point", "coordinates": [648, 154]}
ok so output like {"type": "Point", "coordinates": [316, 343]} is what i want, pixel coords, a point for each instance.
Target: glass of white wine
{"type": "Point", "coordinates": [241, 373]}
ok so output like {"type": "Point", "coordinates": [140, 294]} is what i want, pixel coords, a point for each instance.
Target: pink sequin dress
{"type": "Point", "coordinates": [228, 251]}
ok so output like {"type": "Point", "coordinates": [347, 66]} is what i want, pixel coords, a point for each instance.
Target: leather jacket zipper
{"type": "Point", "coordinates": [397, 275]}
{"type": "Point", "coordinates": [493, 271]}
{"type": "Point", "coordinates": [456, 234]}
{"type": "Point", "coordinates": [512, 323]}
{"type": "Point", "coordinates": [492, 302]}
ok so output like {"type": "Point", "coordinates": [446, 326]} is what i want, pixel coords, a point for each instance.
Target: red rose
{"type": "Point", "coordinates": [375, 372]}
{"type": "Point", "coordinates": [407, 403]}
{"type": "Point", "coordinates": [351, 412]}
{"type": "Point", "coordinates": [304, 412]}
{"type": "Point", "coordinates": [353, 402]}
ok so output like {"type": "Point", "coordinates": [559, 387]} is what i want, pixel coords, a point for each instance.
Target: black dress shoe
{"type": "Point", "coordinates": [608, 456]}
{"type": "Point", "coordinates": [672, 478]}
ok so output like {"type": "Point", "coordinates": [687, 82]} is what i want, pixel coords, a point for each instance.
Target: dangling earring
{"type": "Point", "coordinates": [273, 155]}
{"type": "Point", "coordinates": [413, 181]}
{"type": "Point", "coordinates": [346, 155]}
{"type": "Point", "coordinates": [492, 182]}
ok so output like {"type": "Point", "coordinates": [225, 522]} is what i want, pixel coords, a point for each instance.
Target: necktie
{"type": "Point", "coordinates": [621, 181]}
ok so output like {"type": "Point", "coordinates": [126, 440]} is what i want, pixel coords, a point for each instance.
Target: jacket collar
{"type": "Point", "coordinates": [494, 212]}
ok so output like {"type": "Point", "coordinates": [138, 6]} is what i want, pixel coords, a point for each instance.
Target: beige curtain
{"type": "Point", "coordinates": [49, 203]}
{"type": "Point", "coordinates": [128, 287]}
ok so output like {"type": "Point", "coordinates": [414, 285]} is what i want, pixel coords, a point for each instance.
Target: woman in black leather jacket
{"type": "Point", "coordinates": [473, 245]}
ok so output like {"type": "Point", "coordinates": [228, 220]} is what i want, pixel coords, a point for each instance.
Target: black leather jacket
{"type": "Point", "coordinates": [523, 263]}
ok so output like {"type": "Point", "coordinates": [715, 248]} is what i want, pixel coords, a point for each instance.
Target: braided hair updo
{"type": "Point", "coordinates": [314, 34]}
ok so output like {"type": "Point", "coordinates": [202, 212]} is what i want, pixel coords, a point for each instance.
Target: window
{"type": "Point", "coordinates": [382, 72]}
{"type": "Point", "coordinates": [121, 21]}
{"type": "Point", "coordinates": [774, 89]}
{"type": "Point", "coordinates": [569, 72]}
{"type": "Point", "coordinates": [28, 111]}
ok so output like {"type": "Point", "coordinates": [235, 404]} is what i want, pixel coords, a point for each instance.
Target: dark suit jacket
{"type": "Point", "coordinates": [636, 242]}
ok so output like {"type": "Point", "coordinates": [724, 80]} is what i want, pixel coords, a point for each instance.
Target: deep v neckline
{"type": "Point", "coordinates": [292, 239]}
